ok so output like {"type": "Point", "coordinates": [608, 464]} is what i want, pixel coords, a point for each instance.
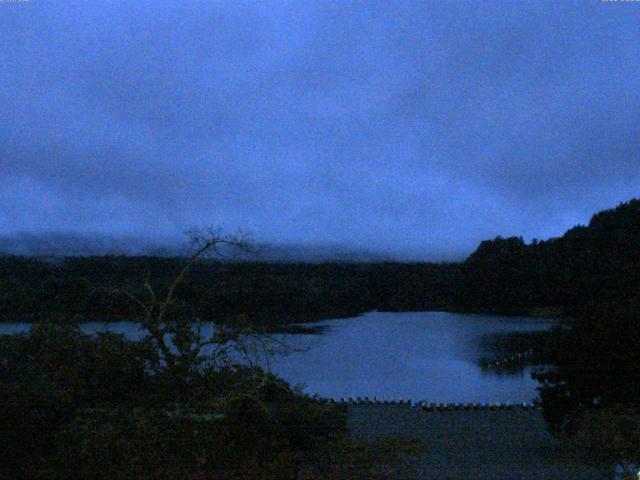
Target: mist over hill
{"type": "Point", "coordinates": [69, 244]}
{"type": "Point", "coordinates": [588, 265]}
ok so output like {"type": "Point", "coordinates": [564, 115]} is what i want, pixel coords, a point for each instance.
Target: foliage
{"type": "Point", "coordinates": [79, 406]}
{"type": "Point", "coordinates": [591, 395]}
{"type": "Point", "coordinates": [595, 364]}
{"type": "Point", "coordinates": [608, 440]}
{"type": "Point", "coordinates": [48, 375]}
{"type": "Point", "coordinates": [166, 407]}
{"type": "Point", "coordinates": [588, 265]}
{"type": "Point", "coordinates": [592, 265]}
{"type": "Point", "coordinates": [173, 405]}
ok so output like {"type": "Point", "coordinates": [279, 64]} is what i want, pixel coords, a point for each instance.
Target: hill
{"type": "Point", "coordinates": [594, 264]}
{"type": "Point", "coordinates": [597, 263]}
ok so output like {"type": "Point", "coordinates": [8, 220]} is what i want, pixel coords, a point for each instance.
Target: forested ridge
{"type": "Point", "coordinates": [81, 406]}
{"type": "Point", "coordinates": [592, 264]}
{"type": "Point", "coordinates": [267, 293]}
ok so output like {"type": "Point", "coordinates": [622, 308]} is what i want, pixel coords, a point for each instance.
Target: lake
{"type": "Point", "coordinates": [419, 356]}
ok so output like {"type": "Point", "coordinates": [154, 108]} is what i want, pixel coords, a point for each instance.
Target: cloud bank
{"type": "Point", "coordinates": [418, 128]}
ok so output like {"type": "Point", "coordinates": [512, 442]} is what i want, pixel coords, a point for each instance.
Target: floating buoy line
{"type": "Point", "coordinates": [514, 361]}
{"type": "Point", "coordinates": [431, 407]}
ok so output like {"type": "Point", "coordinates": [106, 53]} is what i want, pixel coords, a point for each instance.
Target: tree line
{"type": "Point", "coordinates": [267, 293]}
{"type": "Point", "coordinates": [122, 409]}
{"type": "Point", "coordinates": [176, 404]}
{"type": "Point", "coordinates": [593, 264]}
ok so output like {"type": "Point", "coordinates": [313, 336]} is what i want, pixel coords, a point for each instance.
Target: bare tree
{"type": "Point", "coordinates": [180, 343]}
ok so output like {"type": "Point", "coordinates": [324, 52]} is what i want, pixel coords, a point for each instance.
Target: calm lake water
{"type": "Point", "coordinates": [430, 356]}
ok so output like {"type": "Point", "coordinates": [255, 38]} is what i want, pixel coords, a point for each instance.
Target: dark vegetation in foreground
{"type": "Point", "coordinates": [108, 408]}
{"type": "Point", "coordinates": [590, 390]}
{"type": "Point", "coordinates": [176, 404]}
{"type": "Point", "coordinates": [590, 394]}
{"type": "Point", "coordinates": [592, 265]}
{"type": "Point", "coordinates": [79, 407]}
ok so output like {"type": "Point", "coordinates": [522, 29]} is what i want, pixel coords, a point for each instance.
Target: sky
{"type": "Point", "coordinates": [417, 128]}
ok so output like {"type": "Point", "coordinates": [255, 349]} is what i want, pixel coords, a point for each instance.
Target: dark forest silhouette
{"type": "Point", "coordinates": [70, 399]}
{"type": "Point", "coordinates": [588, 265]}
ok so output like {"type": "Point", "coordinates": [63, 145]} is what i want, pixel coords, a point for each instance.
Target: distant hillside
{"type": "Point", "coordinates": [588, 266]}
{"type": "Point", "coordinates": [318, 254]}
{"type": "Point", "coordinates": [597, 263]}
{"type": "Point", "coordinates": [65, 244]}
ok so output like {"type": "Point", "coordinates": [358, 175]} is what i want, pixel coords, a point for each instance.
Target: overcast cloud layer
{"type": "Point", "coordinates": [415, 127]}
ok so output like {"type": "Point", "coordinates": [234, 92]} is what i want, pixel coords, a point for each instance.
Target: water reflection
{"type": "Point", "coordinates": [431, 356]}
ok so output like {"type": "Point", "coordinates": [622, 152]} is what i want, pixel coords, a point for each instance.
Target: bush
{"type": "Point", "coordinates": [595, 365]}
{"type": "Point", "coordinates": [609, 440]}
{"type": "Point", "coordinates": [74, 406]}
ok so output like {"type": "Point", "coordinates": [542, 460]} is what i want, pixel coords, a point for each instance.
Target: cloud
{"type": "Point", "coordinates": [420, 128]}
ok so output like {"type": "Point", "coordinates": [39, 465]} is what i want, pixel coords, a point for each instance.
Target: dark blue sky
{"type": "Point", "coordinates": [419, 128]}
